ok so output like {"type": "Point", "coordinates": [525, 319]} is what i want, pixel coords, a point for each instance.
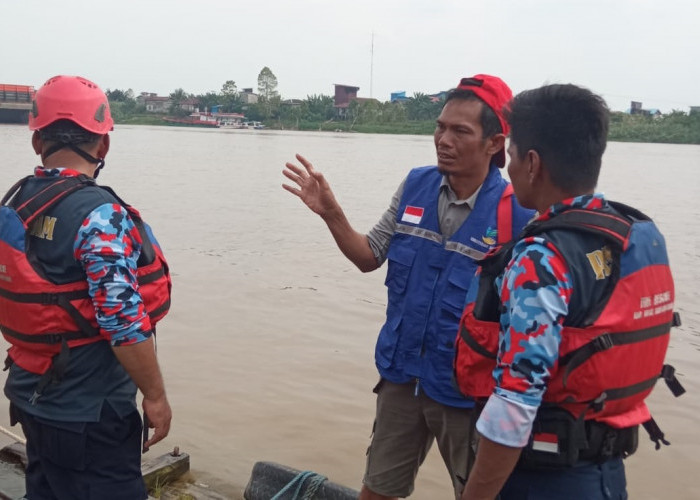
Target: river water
{"type": "Point", "coordinates": [268, 350]}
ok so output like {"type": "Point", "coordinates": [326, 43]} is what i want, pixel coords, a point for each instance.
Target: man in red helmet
{"type": "Point", "coordinates": [441, 220]}
{"type": "Point", "coordinates": [82, 284]}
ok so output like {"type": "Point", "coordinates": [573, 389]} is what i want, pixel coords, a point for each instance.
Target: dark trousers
{"type": "Point", "coordinates": [83, 460]}
{"type": "Point", "coordinates": [591, 481]}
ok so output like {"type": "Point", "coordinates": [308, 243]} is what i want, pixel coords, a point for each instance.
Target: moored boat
{"type": "Point", "coordinates": [194, 120]}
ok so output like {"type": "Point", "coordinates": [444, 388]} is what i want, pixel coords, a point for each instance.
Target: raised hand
{"type": "Point", "coordinates": [313, 189]}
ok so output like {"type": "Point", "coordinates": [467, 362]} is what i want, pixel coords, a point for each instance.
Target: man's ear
{"type": "Point", "coordinates": [37, 143]}
{"type": "Point", "coordinates": [496, 143]}
{"type": "Point", "coordinates": [103, 146]}
{"type": "Point", "coordinates": [535, 168]}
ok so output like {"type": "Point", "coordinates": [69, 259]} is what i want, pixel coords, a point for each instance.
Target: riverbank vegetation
{"type": "Point", "coordinates": [414, 115]}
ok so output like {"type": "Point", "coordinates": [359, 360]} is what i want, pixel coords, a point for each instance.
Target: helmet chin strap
{"type": "Point", "coordinates": [88, 157]}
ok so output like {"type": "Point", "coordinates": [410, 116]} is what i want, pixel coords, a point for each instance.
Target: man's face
{"type": "Point", "coordinates": [519, 176]}
{"type": "Point", "coordinates": [459, 141]}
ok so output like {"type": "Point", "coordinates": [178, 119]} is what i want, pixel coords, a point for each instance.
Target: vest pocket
{"type": "Point", "coordinates": [387, 342]}
{"type": "Point", "coordinates": [454, 300]}
{"type": "Point", "coordinates": [399, 269]}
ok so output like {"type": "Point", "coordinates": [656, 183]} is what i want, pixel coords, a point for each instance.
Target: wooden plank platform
{"type": "Point", "coordinates": [157, 473]}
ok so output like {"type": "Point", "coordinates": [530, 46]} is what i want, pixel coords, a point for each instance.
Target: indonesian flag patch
{"type": "Point", "coordinates": [545, 441]}
{"type": "Point", "coordinates": [412, 214]}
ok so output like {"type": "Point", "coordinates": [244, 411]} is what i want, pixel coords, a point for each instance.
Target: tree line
{"type": "Point", "coordinates": [415, 115]}
{"type": "Point", "coordinates": [314, 112]}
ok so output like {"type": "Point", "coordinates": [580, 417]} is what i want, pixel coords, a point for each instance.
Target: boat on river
{"type": "Point", "coordinates": [253, 125]}
{"type": "Point", "coordinates": [205, 120]}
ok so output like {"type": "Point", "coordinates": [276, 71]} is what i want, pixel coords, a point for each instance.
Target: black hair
{"type": "Point", "coordinates": [568, 127]}
{"type": "Point", "coordinates": [490, 124]}
{"type": "Point", "coordinates": [67, 132]}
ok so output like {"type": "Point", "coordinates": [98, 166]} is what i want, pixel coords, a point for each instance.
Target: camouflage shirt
{"type": "Point", "coordinates": [535, 291]}
{"type": "Point", "coordinates": [108, 246]}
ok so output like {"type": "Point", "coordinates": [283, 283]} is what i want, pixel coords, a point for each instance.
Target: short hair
{"type": "Point", "coordinates": [568, 127]}
{"type": "Point", "coordinates": [490, 125]}
{"type": "Point", "coordinates": [67, 132]}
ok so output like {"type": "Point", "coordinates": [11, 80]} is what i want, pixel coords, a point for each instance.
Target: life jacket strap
{"type": "Point", "coordinates": [55, 372]}
{"type": "Point", "coordinates": [45, 338]}
{"type": "Point", "coordinates": [505, 216]}
{"type": "Point", "coordinates": [655, 433]}
{"type": "Point", "coordinates": [614, 227]}
{"type": "Point", "coordinates": [158, 312]}
{"type": "Point", "coordinates": [62, 300]}
{"type": "Point", "coordinates": [668, 373]}
{"type": "Point", "coordinates": [577, 357]}
{"type": "Point", "coordinates": [473, 344]}
{"type": "Point", "coordinates": [50, 196]}
{"type": "Point", "coordinates": [151, 277]}
{"type": "Point", "coordinates": [43, 298]}
{"type": "Point", "coordinates": [85, 326]}
{"type": "Point", "coordinates": [676, 319]}
{"type": "Point", "coordinates": [13, 190]}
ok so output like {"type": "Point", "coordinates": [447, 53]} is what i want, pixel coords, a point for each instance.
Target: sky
{"type": "Point", "coordinates": [625, 50]}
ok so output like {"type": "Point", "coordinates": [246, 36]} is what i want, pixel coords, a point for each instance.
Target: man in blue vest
{"type": "Point", "coordinates": [441, 220]}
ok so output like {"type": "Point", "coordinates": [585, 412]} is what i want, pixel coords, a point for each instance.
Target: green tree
{"type": "Point", "coordinates": [363, 112]}
{"type": "Point", "coordinates": [267, 92]}
{"type": "Point", "coordinates": [176, 99]}
{"type": "Point", "coordinates": [317, 108]}
{"type": "Point", "coordinates": [421, 107]}
{"type": "Point", "coordinates": [393, 112]}
{"type": "Point", "coordinates": [290, 115]}
{"type": "Point", "coordinates": [208, 100]}
{"type": "Point", "coordinates": [118, 95]}
{"type": "Point", "coordinates": [230, 97]}
{"type": "Point", "coordinates": [267, 84]}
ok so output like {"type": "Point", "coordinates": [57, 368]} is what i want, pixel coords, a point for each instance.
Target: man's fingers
{"type": "Point", "coordinates": [307, 164]}
{"type": "Point", "coordinates": [293, 190]}
{"type": "Point", "coordinates": [291, 166]}
{"type": "Point", "coordinates": [158, 435]}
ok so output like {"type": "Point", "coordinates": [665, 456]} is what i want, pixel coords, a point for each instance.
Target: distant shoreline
{"type": "Point", "coordinates": [670, 129]}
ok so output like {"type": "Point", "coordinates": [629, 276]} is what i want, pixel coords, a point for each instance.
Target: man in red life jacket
{"type": "Point", "coordinates": [565, 329]}
{"type": "Point", "coordinates": [441, 220]}
{"type": "Point", "coordinates": [82, 284]}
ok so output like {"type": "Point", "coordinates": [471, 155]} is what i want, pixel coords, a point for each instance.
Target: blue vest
{"type": "Point", "coordinates": [427, 280]}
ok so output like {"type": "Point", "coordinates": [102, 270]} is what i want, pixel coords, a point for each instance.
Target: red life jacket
{"type": "Point", "coordinates": [607, 368]}
{"type": "Point", "coordinates": [40, 318]}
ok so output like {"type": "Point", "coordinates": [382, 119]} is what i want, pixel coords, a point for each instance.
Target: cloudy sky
{"type": "Point", "coordinates": [644, 50]}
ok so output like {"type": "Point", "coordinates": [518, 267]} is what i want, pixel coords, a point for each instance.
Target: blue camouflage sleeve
{"type": "Point", "coordinates": [108, 245]}
{"type": "Point", "coordinates": [535, 291]}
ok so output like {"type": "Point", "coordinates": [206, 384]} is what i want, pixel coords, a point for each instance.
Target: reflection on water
{"type": "Point", "coordinates": [268, 350]}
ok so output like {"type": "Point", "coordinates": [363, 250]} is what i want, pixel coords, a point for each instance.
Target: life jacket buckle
{"type": "Point", "coordinates": [49, 299]}
{"type": "Point", "coordinates": [599, 403]}
{"type": "Point", "coordinates": [55, 338]}
{"type": "Point", "coordinates": [668, 373]}
{"type": "Point", "coordinates": [603, 342]}
{"type": "Point", "coordinates": [608, 446]}
{"type": "Point", "coordinates": [676, 319]}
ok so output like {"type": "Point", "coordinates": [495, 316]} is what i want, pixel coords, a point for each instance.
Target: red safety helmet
{"type": "Point", "coordinates": [71, 98]}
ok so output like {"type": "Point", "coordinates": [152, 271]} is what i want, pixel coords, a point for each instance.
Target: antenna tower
{"type": "Point", "coordinates": [371, 67]}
